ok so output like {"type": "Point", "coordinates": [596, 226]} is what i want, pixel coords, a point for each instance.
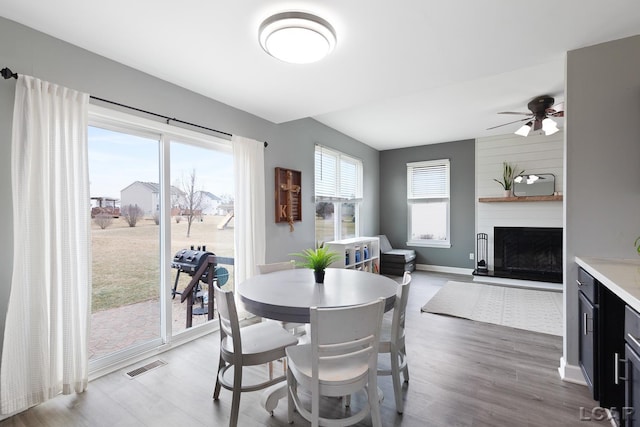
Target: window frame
{"type": "Point", "coordinates": [337, 195]}
{"type": "Point", "coordinates": [443, 196]}
{"type": "Point", "coordinates": [120, 121]}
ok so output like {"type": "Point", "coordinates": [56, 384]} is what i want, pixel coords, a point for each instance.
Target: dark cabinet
{"type": "Point", "coordinates": [611, 348]}
{"type": "Point", "coordinates": [601, 343]}
{"type": "Point", "coordinates": [632, 389]}
{"type": "Point", "coordinates": [588, 356]}
{"type": "Point", "coordinates": [630, 412]}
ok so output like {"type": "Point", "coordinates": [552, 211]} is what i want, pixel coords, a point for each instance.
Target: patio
{"type": "Point", "coordinates": [122, 327]}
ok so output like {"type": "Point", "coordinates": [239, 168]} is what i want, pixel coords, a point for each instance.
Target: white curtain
{"type": "Point", "coordinates": [46, 331]}
{"type": "Point", "coordinates": [249, 206]}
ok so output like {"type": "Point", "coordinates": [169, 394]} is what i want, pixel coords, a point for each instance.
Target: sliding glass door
{"type": "Point", "coordinates": [155, 190]}
{"type": "Point", "coordinates": [124, 175]}
{"type": "Point", "coordinates": [201, 218]}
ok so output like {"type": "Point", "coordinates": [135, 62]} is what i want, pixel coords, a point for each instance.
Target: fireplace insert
{"type": "Point", "coordinates": [529, 253]}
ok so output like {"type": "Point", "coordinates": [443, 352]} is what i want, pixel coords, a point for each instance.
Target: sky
{"type": "Point", "coordinates": [117, 159]}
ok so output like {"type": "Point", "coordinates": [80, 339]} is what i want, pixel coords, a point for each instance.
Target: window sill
{"type": "Point", "coordinates": [429, 244]}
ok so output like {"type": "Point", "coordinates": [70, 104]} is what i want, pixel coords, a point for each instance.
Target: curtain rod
{"type": "Point", "coordinates": [8, 74]}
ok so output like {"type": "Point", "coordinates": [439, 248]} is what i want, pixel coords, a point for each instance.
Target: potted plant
{"type": "Point", "coordinates": [508, 174]}
{"type": "Point", "coordinates": [637, 245]}
{"type": "Point", "coordinates": [317, 260]}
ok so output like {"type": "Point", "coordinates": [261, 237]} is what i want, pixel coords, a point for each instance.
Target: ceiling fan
{"type": "Point", "coordinates": [541, 109]}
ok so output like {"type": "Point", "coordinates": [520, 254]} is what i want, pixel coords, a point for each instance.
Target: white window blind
{"type": "Point", "coordinates": [337, 177]}
{"type": "Point", "coordinates": [428, 180]}
{"type": "Point", "coordinates": [428, 203]}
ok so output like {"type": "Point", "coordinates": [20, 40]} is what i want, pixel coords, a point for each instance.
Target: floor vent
{"type": "Point", "coordinates": [145, 368]}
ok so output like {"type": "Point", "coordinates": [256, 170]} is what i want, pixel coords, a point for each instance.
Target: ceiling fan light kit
{"type": "Point", "coordinates": [525, 129]}
{"type": "Point", "coordinates": [539, 118]}
{"type": "Point", "coordinates": [549, 126]}
{"type": "Point", "coordinates": [297, 37]}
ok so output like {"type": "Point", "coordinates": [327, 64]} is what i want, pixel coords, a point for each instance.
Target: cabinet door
{"type": "Point", "coordinates": [588, 356]}
{"type": "Point", "coordinates": [631, 417]}
{"type": "Point", "coordinates": [610, 338]}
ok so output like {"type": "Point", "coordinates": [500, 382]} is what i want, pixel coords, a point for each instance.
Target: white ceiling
{"type": "Point", "coordinates": [404, 73]}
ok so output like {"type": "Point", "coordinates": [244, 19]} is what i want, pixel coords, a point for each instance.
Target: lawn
{"type": "Point", "coordinates": [126, 264]}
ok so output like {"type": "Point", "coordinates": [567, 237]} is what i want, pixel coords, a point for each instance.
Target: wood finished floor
{"type": "Point", "coordinates": [463, 373]}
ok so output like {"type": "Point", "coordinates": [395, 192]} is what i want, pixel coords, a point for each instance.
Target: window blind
{"type": "Point", "coordinates": [337, 177]}
{"type": "Point", "coordinates": [428, 180]}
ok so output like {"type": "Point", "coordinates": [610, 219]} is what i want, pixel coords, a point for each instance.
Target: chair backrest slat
{"type": "Point", "coordinates": [276, 266]}
{"type": "Point", "coordinates": [340, 333]}
{"type": "Point", "coordinates": [228, 316]}
{"type": "Point", "coordinates": [340, 325]}
{"type": "Point", "coordinates": [400, 308]}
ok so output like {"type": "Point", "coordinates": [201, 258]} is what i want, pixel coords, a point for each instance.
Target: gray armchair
{"type": "Point", "coordinates": [395, 261]}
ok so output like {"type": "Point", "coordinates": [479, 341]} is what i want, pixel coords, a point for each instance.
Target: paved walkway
{"type": "Point", "coordinates": [122, 327]}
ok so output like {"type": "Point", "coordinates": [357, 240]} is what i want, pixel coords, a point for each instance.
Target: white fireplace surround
{"type": "Point", "coordinates": [536, 155]}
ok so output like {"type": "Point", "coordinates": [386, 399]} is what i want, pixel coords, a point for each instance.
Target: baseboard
{"type": "Point", "coordinates": [571, 373]}
{"type": "Point", "coordinates": [444, 269]}
{"type": "Point", "coordinates": [528, 284]}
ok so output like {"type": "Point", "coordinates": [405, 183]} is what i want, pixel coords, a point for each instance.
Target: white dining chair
{"type": "Point", "coordinates": [340, 360]}
{"type": "Point", "coordinates": [392, 341]}
{"type": "Point", "coordinates": [255, 344]}
{"type": "Point", "coordinates": [275, 266]}
{"type": "Point", "coordinates": [297, 329]}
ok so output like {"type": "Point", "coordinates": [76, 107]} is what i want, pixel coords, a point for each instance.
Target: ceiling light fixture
{"type": "Point", "coordinates": [525, 129]}
{"type": "Point", "coordinates": [549, 126]}
{"type": "Point", "coordinates": [297, 37]}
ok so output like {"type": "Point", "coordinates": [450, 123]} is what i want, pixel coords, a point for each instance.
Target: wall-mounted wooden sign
{"type": "Point", "coordinates": [288, 196]}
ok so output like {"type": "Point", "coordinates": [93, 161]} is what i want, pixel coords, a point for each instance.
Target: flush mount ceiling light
{"type": "Point", "coordinates": [297, 37]}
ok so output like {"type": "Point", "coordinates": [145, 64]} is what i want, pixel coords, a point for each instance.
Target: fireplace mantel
{"type": "Point", "coordinates": [521, 199]}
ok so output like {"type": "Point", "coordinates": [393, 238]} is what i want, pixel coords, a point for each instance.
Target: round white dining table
{"type": "Point", "coordinates": [287, 295]}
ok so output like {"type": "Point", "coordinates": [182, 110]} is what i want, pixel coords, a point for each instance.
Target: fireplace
{"type": "Point", "coordinates": [529, 253]}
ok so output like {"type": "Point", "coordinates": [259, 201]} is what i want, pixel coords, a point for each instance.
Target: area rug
{"type": "Point", "coordinates": [533, 310]}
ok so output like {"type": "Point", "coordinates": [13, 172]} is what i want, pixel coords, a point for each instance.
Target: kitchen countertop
{"type": "Point", "coordinates": [621, 276]}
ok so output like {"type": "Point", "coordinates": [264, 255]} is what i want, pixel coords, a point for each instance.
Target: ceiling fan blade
{"type": "Point", "coordinates": [515, 121]}
{"type": "Point", "coordinates": [556, 111]}
{"type": "Point", "coordinates": [555, 114]}
{"type": "Point", "coordinates": [515, 112]}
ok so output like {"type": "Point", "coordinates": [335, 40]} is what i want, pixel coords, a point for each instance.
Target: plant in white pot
{"type": "Point", "coordinates": [508, 174]}
{"type": "Point", "coordinates": [317, 260]}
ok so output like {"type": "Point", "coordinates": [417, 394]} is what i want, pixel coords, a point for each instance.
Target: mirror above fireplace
{"type": "Point", "coordinates": [534, 185]}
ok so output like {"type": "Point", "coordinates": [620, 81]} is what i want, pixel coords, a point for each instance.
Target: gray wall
{"type": "Point", "coordinates": [393, 200]}
{"type": "Point", "coordinates": [602, 162]}
{"type": "Point", "coordinates": [290, 145]}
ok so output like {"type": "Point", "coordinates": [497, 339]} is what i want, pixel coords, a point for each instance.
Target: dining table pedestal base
{"type": "Point", "coordinates": [272, 395]}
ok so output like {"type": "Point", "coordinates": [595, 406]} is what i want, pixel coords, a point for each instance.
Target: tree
{"type": "Point", "coordinates": [131, 214]}
{"type": "Point", "coordinates": [324, 209]}
{"type": "Point", "coordinates": [103, 220]}
{"type": "Point", "coordinates": [191, 201]}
